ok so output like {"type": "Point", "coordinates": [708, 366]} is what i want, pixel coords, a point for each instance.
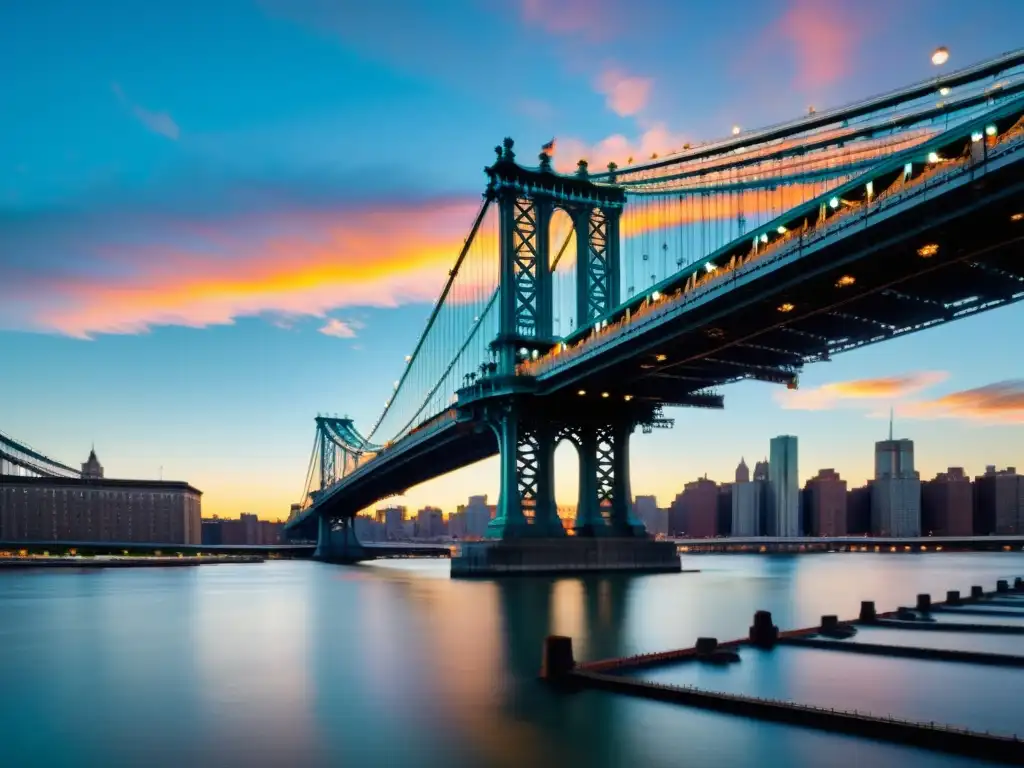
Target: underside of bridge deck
{"type": "Point", "coordinates": [955, 255]}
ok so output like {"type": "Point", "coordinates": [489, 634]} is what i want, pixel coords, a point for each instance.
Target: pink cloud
{"type": "Point", "coordinates": [617, 148]}
{"type": "Point", "coordinates": [858, 392]}
{"type": "Point", "coordinates": [339, 329]}
{"type": "Point", "coordinates": [998, 403]}
{"type": "Point", "coordinates": [625, 94]}
{"type": "Point", "coordinates": [584, 18]}
{"type": "Point", "coordinates": [822, 38]}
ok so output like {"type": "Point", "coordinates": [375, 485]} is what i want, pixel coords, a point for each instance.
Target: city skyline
{"type": "Point", "coordinates": [218, 252]}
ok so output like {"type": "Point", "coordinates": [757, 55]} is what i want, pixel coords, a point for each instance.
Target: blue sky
{"type": "Point", "coordinates": [191, 192]}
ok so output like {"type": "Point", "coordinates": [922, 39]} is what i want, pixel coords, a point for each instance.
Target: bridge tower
{"type": "Point", "coordinates": [528, 428]}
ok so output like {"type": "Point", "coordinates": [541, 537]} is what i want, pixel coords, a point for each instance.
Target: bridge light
{"type": "Point", "coordinates": [976, 136]}
{"type": "Point", "coordinates": [604, 394]}
{"type": "Point", "coordinates": [764, 237]}
{"type": "Point", "coordinates": [870, 187]}
{"type": "Point", "coordinates": [927, 251]}
{"type": "Point", "coordinates": [656, 296]}
{"type": "Point", "coordinates": [627, 398]}
{"type": "Point", "coordinates": [408, 358]}
{"type": "Point", "coordinates": [940, 56]}
{"type": "Point", "coordinates": [534, 354]}
{"type": "Point", "coordinates": [1016, 217]}
{"type": "Point", "coordinates": [781, 230]}
{"type": "Point", "coordinates": [833, 203]}
{"type": "Point", "coordinates": [908, 169]}
{"type": "Point", "coordinates": [787, 307]}
{"type": "Point", "coordinates": [944, 90]}
{"type": "Point", "coordinates": [735, 130]}
{"type": "Point", "coordinates": [661, 358]}
{"type": "Point", "coordinates": [845, 280]}
{"type": "Point", "coordinates": [582, 392]}
{"type": "Point", "coordinates": [990, 130]}
{"type": "Point", "coordinates": [710, 267]}
{"type": "Point", "coordinates": [933, 157]}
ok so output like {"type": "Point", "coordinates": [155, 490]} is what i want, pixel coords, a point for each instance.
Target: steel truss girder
{"type": "Point", "coordinates": [528, 466]}
{"type": "Point", "coordinates": [526, 265]}
{"type": "Point", "coordinates": [605, 465]}
{"type": "Point", "coordinates": [599, 267]}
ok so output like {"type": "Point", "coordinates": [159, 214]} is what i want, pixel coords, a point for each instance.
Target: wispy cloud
{"type": "Point", "coordinates": [624, 94]}
{"type": "Point", "coordinates": [588, 19]}
{"type": "Point", "coordinates": [998, 403]}
{"type": "Point", "coordinates": [157, 122]}
{"type": "Point", "coordinates": [339, 328]}
{"type": "Point", "coordinates": [859, 392]}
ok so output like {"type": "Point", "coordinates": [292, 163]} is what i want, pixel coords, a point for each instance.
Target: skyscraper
{"type": "Point", "coordinates": [896, 492]}
{"type": "Point", "coordinates": [784, 517]}
{"type": "Point", "coordinates": [749, 500]}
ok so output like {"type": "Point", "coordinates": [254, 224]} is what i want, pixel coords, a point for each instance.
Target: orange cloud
{"type": "Point", "coordinates": [377, 257]}
{"type": "Point", "coordinates": [998, 403]}
{"type": "Point", "coordinates": [832, 395]}
{"type": "Point", "coordinates": [625, 95]}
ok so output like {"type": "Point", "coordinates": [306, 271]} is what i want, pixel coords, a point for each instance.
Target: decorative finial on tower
{"type": "Point", "coordinates": [545, 162]}
{"type": "Point", "coordinates": [612, 168]}
{"type": "Point", "coordinates": [581, 170]}
{"type": "Point", "coordinates": [508, 154]}
{"type": "Point", "coordinates": [497, 151]}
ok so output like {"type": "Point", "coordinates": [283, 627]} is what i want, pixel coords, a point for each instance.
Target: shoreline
{"type": "Point", "coordinates": [15, 563]}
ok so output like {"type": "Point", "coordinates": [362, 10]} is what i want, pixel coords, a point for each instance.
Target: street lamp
{"type": "Point", "coordinates": [940, 56]}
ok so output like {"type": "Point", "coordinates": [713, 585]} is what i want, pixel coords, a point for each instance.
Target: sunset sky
{"type": "Point", "coordinates": [220, 218]}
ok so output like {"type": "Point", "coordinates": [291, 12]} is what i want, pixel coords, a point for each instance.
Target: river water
{"type": "Point", "coordinates": [394, 664]}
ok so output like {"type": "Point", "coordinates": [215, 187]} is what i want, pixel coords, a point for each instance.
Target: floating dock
{"type": "Point", "coordinates": [569, 555]}
{"type": "Point", "coordinates": [561, 670]}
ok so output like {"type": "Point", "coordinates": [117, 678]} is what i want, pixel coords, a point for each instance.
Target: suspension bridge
{"type": "Point", "coordinates": [581, 305]}
{"type": "Point", "coordinates": [16, 458]}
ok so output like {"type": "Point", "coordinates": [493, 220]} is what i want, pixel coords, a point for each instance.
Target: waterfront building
{"type": "Point", "coordinates": [246, 530]}
{"type": "Point", "coordinates": [826, 500]}
{"type": "Point", "coordinates": [858, 510]}
{"type": "Point", "coordinates": [784, 516]}
{"type": "Point", "coordinates": [947, 504]}
{"type": "Point", "coordinates": [478, 514]}
{"type": "Point", "coordinates": [749, 500]}
{"type": "Point", "coordinates": [94, 508]}
{"type": "Point", "coordinates": [724, 512]}
{"type": "Point", "coordinates": [699, 509]}
{"type": "Point", "coordinates": [896, 490]}
{"type": "Point", "coordinates": [655, 520]}
{"type": "Point", "coordinates": [430, 523]}
{"type": "Point", "coordinates": [999, 502]}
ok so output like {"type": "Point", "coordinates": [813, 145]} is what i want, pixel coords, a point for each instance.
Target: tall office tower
{"type": "Point", "coordinates": [784, 516]}
{"type": "Point", "coordinates": [896, 492]}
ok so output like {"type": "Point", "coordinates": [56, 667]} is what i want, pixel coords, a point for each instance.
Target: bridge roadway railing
{"type": "Point", "coordinates": [765, 256]}
{"type": "Point", "coordinates": [873, 105]}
